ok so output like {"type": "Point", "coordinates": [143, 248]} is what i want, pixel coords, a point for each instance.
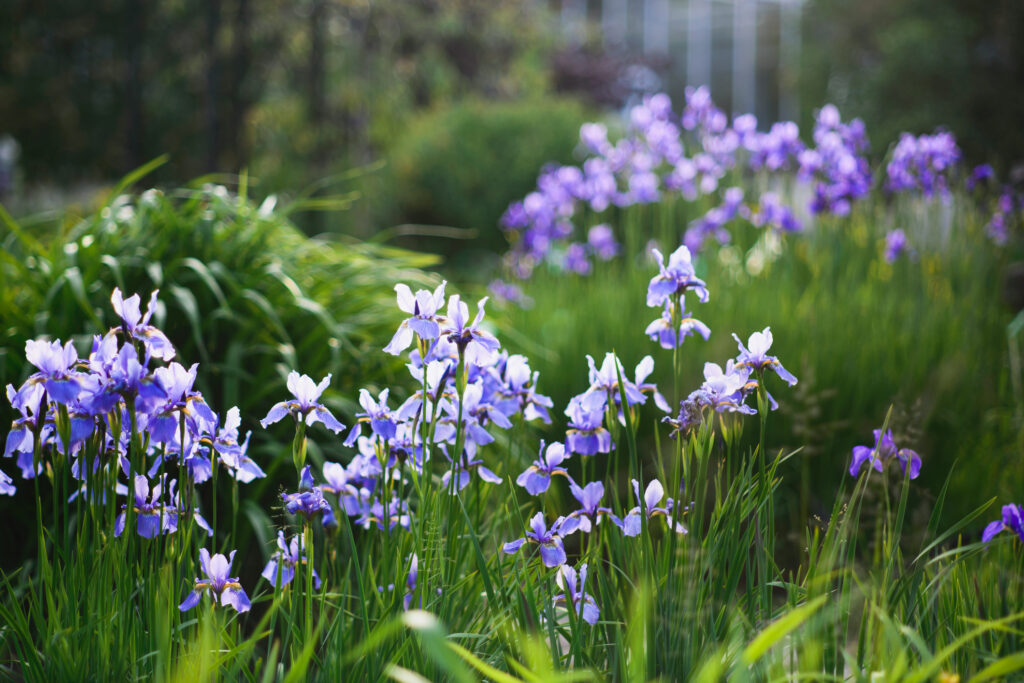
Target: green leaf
{"type": "Point", "coordinates": [779, 629]}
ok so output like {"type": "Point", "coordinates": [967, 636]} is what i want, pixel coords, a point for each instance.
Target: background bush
{"type": "Point", "coordinates": [462, 165]}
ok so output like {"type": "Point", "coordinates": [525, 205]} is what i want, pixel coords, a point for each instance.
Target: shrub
{"type": "Point", "coordinates": [462, 165]}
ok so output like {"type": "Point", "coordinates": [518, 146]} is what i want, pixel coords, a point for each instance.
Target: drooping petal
{"type": "Point", "coordinates": [860, 454]}
{"type": "Point", "coordinates": [191, 601]}
{"type": "Point", "coordinates": [513, 546]}
{"type": "Point", "coordinates": [400, 341]}
{"type": "Point", "coordinates": [328, 419]}
{"type": "Point", "coordinates": [552, 553]}
{"type": "Point", "coordinates": [276, 413]}
{"type": "Point", "coordinates": [488, 475]}
{"type": "Point", "coordinates": [236, 598]}
{"type": "Point", "coordinates": [991, 530]}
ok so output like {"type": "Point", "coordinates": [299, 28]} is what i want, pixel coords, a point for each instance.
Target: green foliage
{"type": "Point", "coordinates": [460, 166]}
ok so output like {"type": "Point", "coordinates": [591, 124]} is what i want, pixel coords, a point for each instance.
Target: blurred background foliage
{"type": "Point", "coordinates": [300, 91]}
{"type": "Point", "coordinates": [914, 65]}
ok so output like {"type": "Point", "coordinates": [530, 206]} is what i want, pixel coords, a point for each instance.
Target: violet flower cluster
{"type": "Point", "coordinates": [71, 401]}
{"type": "Point", "coordinates": [726, 390]}
{"type": "Point", "coordinates": [923, 164]}
{"type": "Point", "coordinates": [688, 155]}
{"type": "Point", "coordinates": [465, 388]}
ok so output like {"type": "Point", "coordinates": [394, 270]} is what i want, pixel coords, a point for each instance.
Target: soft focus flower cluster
{"type": "Point", "coordinates": [746, 174]}
{"type": "Point", "coordinates": [923, 164]}
{"type": "Point", "coordinates": [690, 155]}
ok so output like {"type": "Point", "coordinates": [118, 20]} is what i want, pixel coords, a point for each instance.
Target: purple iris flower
{"type": "Point", "coordinates": [518, 386]}
{"type": "Point", "coordinates": [576, 259]}
{"type": "Point", "coordinates": [690, 415]}
{"type": "Point", "coordinates": [423, 321]}
{"type": "Point", "coordinates": [552, 551]}
{"type": "Point", "coordinates": [980, 174]}
{"type": "Point", "coordinates": [594, 136]}
{"type": "Point", "coordinates": [381, 419]}
{"type": "Point", "coordinates": [755, 355]}
{"type": "Point", "coordinates": [437, 374]}
{"type": "Point", "coordinates": [663, 330]}
{"type": "Point", "coordinates": [56, 366]}
{"type": "Point", "coordinates": [181, 401]}
{"type": "Point", "coordinates": [651, 506]}
{"type": "Point", "coordinates": [224, 589]}
{"type": "Point", "coordinates": [895, 245]}
{"type": "Point", "coordinates": [885, 450]}
{"type": "Point", "coordinates": [478, 345]}
{"type": "Point", "coordinates": [574, 584]}
{"type": "Point", "coordinates": [1013, 521]}
{"type": "Point", "coordinates": [478, 410]}
{"type": "Point", "coordinates": [137, 326]}
{"type": "Point", "coordinates": [233, 454]}
{"type": "Point", "coordinates": [354, 490]}
{"type": "Point", "coordinates": [151, 515]}
{"type": "Point", "coordinates": [287, 557]}
{"type": "Point", "coordinates": [309, 500]}
{"type": "Point", "coordinates": [396, 514]}
{"type": "Point", "coordinates": [642, 371]}
{"type": "Point", "coordinates": [922, 164]}
{"type": "Point", "coordinates": [28, 402]}
{"type": "Point", "coordinates": [675, 279]}
{"type": "Point", "coordinates": [537, 477]}
{"type": "Point", "coordinates": [467, 464]}
{"type": "Point", "coordinates": [606, 379]}
{"type": "Point", "coordinates": [586, 434]}
{"type": "Point", "coordinates": [590, 510]}
{"type": "Point", "coordinates": [305, 406]}
{"type": "Point", "coordinates": [601, 241]}
{"type": "Point", "coordinates": [509, 291]}
{"type": "Point", "coordinates": [131, 379]}
{"type": "Point", "coordinates": [723, 390]}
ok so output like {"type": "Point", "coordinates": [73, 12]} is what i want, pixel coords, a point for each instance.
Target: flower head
{"type": "Point", "coordinates": [885, 450]}
{"type": "Point", "coordinates": [56, 365]}
{"type": "Point", "coordinates": [305, 405]}
{"type": "Point", "coordinates": [590, 510]}
{"type": "Point", "coordinates": [477, 344]}
{"type": "Point", "coordinates": [537, 477]}
{"type": "Point", "coordinates": [152, 517]}
{"type": "Point", "coordinates": [382, 421]}
{"type": "Point", "coordinates": [1013, 521]}
{"type": "Point", "coordinates": [552, 551]}
{"type": "Point", "coordinates": [755, 355]}
{"type": "Point", "coordinates": [285, 559]}
{"type": "Point", "coordinates": [136, 326]}
{"type": "Point", "coordinates": [674, 279]}
{"type": "Point", "coordinates": [574, 585]}
{"type": "Point", "coordinates": [224, 589]}
{"type": "Point", "coordinates": [651, 507]}
{"type": "Point", "coordinates": [895, 245]}
{"type": "Point", "coordinates": [423, 321]}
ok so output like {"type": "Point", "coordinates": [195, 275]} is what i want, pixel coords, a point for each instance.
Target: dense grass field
{"type": "Point", "coordinates": [418, 484]}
